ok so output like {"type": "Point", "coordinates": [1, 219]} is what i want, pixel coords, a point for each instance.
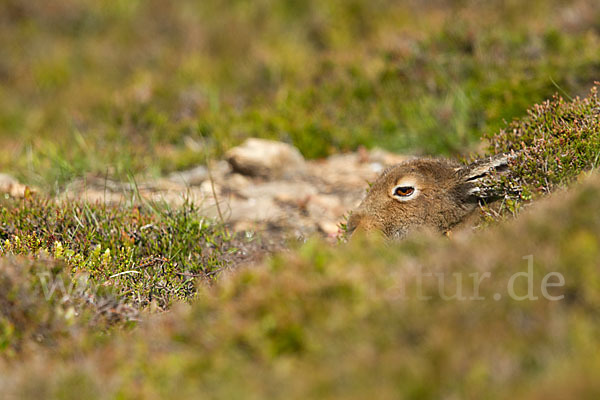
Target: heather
{"type": "Point", "coordinates": [125, 273]}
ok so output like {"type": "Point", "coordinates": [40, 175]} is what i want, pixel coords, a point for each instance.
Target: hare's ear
{"type": "Point", "coordinates": [479, 169]}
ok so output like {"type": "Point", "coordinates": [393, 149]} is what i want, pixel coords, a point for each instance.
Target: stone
{"type": "Point", "coordinates": [252, 209]}
{"type": "Point", "coordinates": [237, 182]}
{"type": "Point", "coordinates": [266, 159]}
{"type": "Point", "coordinates": [329, 228]}
{"type": "Point", "coordinates": [325, 206]}
{"type": "Point", "coordinates": [263, 186]}
{"type": "Point", "coordinates": [281, 190]}
{"type": "Point", "coordinates": [9, 185]}
{"type": "Point", "coordinates": [191, 177]}
{"type": "Point", "coordinates": [386, 158]}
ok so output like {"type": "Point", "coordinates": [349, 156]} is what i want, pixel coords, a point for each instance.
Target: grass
{"type": "Point", "coordinates": [124, 88]}
{"type": "Point", "coordinates": [147, 254]}
{"type": "Point", "coordinates": [81, 283]}
{"type": "Point", "coordinates": [97, 265]}
{"type": "Point", "coordinates": [346, 322]}
{"type": "Point", "coordinates": [128, 301]}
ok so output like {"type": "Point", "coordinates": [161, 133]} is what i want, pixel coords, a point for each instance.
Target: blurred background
{"type": "Point", "coordinates": [117, 87]}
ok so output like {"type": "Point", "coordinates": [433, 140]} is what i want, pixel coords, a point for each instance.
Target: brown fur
{"type": "Point", "coordinates": [446, 197]}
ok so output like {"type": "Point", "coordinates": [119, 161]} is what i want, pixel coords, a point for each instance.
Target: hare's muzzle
{"type": "Point", "coordinates": [359, 222]}
{"type": "Point", "coordinates": [352, 223]}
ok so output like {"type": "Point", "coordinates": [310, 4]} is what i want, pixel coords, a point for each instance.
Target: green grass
{"type": "Point", "coordinates": [147, 254]}
{"type": "Point", "coordinates": [93, 265]}
{"type": "Point", "coordinates": [136, 87]}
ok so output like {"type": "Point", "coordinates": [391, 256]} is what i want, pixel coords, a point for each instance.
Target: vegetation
{"type": "Point", "coordinates": [551, 147]}
{"type": "Point", "coordinates": [148, 254]}
{"type": "Point", "coordinates": [124, 87]}
{"type": "Point", "coordinates": [129, 300]}
{"type": "Point", "coordinates": [346, 322]}
{"type": "Point", "coordinates": [99, 264]}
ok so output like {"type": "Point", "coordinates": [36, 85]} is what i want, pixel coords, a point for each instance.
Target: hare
{"type": "Point", "coordinates": [424, 193]}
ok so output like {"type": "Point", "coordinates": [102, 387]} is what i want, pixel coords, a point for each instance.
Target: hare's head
{"type": "Point", "coordinates": [422, 193]}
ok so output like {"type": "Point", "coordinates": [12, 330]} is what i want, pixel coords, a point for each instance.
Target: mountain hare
{"type": "Point", "coordinates": [424, 193]}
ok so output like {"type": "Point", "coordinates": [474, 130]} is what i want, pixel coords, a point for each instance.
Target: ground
{"type": "Point", "coordinates": [146, 253]}
{"type": "Point", "coordinates": [314, 197]}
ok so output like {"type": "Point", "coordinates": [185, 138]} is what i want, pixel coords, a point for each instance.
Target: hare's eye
{"type": "Point", "coordinates": [404, 191]}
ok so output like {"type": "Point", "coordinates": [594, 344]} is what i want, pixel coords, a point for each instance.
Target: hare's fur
{"type": "Point", "coordinates": [443, 195]}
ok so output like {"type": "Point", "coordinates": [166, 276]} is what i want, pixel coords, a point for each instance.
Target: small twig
{"type": "Point", "coordinates": [212, 185]}
{"type": "Point", "coordinates": [595, 163]}
{"type": "Point", "coordinates": [152, 261]}
{"type": "Point", "coordinates": [561, 89]}
{"type": "Point", "coordinates": [216, 271]}
{"type": "Point", "coordinates": [124, 273]}
{"type": "Point", "coordinates": [188, 274]}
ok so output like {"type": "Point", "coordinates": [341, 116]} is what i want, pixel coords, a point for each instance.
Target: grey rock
{"type": "Point", "coordinates": [191, 177]}
{"type": "Point", "coordinates": [9, 185]}
{"type": "Point", "coordinates": [266, 158]}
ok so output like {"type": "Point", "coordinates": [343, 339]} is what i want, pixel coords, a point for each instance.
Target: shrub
{"type": "Point", "coordinates": [555, 143]}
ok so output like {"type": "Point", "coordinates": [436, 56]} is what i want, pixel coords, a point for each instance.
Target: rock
{"type": "Point", "coordinates": [266, 158]}
{"type": "Point", "coordinates": [329, 228]}
{"type": "Point", "coordinates": [325, 206]}
{"type": "Point", "coordinates": [246, 226]}
{"type": "Point", "coordinates": [192, 177]}
{"type": "Point", "coordinates": [7, 180]}
{"type": "Point", "coordinates": [281, 190]}
{"type": "Point", "coordinates": [386, 158]}
{"type": "Point", "coordinates": [219, 169]}
{"type": "Point", "coordinates": [11, 186]}
{"type": "Point", "coordinates": [263, 186]}
{"type": "Point", "coordinates": [237, 182]}
{"type": "Point", "coordinates": [210, 189]}
{"type": "Point", "coordinates": [252, 209]}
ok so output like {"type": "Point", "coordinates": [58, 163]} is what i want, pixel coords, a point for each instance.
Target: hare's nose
{"type": "Point", "coordinates": [353, 222]}
{"type": "Point", "coordinates": [363, 225]}
{"type": "Point", "coordinates": [359, 222]}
